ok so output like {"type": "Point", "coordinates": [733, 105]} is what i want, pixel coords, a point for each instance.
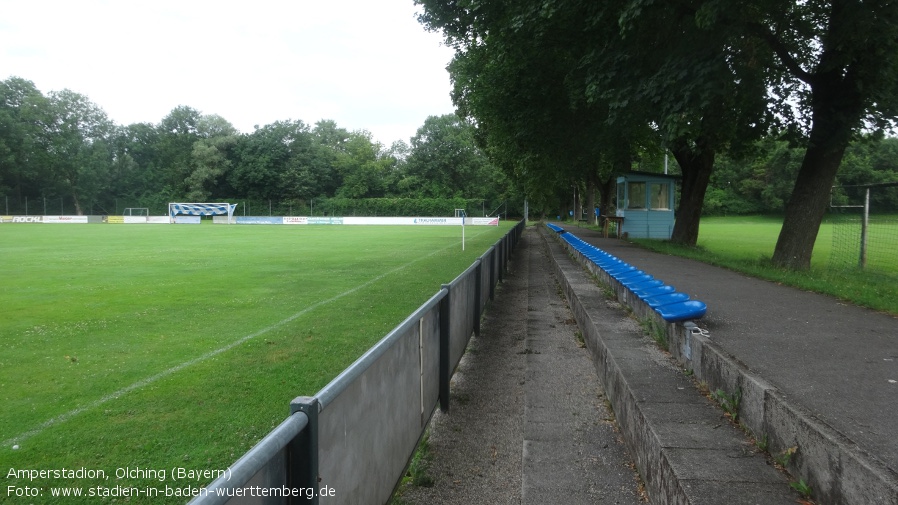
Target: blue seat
{"type": "Point", "coordinates": [655, 291]}
{"type": "Point", "coordinates": [642, 284]}
{"type": "Point", "coordinates": [666, 299]}
{"type": "Point", "coordinates": [605, 261]}
{"type": "Point", "coordinates": [682, 311]}
{"type": "Point", "coordinates": [626, 274]}
{"type": "Point", "coordinates": [619, 268]}
{"type": "Point", "coordinates": [672, 305]}
{"type": "Point", "coordinates": [598, 255]}
{"type": "Point", "coordinates": [555, 228]}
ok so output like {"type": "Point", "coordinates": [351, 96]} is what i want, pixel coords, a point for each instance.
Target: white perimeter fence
{"type": "Point", "coordinates": [261, 220]}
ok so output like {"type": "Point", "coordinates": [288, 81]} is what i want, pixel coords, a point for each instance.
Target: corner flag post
{"type": "Point", "coordinates": [462, 230]}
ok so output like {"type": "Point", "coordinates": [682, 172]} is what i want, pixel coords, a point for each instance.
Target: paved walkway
{"type": "Point", "coordinates": [528, 422]}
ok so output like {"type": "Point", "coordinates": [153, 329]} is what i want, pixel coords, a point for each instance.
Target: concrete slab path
{"type": "Point", "coordinates": [528, 421]}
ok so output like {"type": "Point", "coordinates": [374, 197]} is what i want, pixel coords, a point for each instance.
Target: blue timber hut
{"type": "Point", "coordinates": [645, 204]}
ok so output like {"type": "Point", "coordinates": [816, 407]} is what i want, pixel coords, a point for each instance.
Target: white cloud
{"type": "Point", "coordinates": [365, 64]}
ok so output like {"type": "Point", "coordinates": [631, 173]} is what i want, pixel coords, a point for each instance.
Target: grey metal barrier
{"type": "Point", "coordinates": [352, 441]}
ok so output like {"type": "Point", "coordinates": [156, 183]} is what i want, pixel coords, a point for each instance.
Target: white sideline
{"type": "Point", "coordinates": [165, 373]}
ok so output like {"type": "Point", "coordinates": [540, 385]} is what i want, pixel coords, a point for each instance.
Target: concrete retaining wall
{"type": "Point", "coordinates": [833, 466]}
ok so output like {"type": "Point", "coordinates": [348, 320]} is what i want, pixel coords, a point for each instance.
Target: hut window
{"type": "Point", "coordinates": [660, 196]}
{"type": "Point", "coordinates": [636, 191]}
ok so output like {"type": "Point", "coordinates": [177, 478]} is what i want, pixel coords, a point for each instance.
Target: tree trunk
{"type": "Point", "coordinates": [606, 194]}
{"type": "Point", "coordinates": [78, 211]}
{"type": "Point", "coordinates": [836, 108]}
{"type": "Point", "coordinates": [564, 207]}
{"type": "Point", "coordinates": [623, 163]}
{"type": "Point", "coordinates": [696, 163]}
{"type": "Point", "coordinates": [590, 199]}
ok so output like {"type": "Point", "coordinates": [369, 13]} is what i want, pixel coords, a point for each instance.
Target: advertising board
{"type": "Point", "coordinates": [259, 220]}
{"type": "Point", "coordinates": [326, 220]}
{"type": "Point", "coordinates": [65, 219]}
{"type": "Point", "coordinates": [410, 221]}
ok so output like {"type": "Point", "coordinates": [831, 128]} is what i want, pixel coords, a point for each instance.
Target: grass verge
{"type": "Point", "coordinates": [745, 244]}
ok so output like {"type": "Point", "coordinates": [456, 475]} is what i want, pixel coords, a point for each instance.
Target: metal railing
{"type": "Point", "coordinates": [352, 441]}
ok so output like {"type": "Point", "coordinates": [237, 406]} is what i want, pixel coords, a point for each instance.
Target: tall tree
{"type": "Point", "coordinates": [264, 159]}
{"type": "Point", "coordinates": [21, 104]}
{"type": "Point", "coordinates": [585, 83]}
{"type": "Point", "coordinates": [136, 163]}
{"type": "Point", "coordinates": [838, 61]}
{"type": "Point", "coordinates": [660, 64]}
{"type": "Point", "coordinates": [445, 162]}
{"type": "Point", "coordinates": [177, 132]}
{"type": "Point", "coordinates": [211, 158]}
{"type": "Point", "coordinates": [513, 83]}
{"type": "Point", "coordinates": [74, 137]}
{"type": "Point", "coordinates": [364, 167]}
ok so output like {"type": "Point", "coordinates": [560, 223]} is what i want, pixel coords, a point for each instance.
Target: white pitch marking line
{"type": "Point", "coordinates": [165, 373]}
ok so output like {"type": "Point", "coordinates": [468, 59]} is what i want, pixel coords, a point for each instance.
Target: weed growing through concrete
{"type": "Point", "coordinates": [729, 403]}
{"type": "Point", "coordinates": [417, 474]}
{"type": "Point", "coordinates": [783, 458]}
{"type": "Point", "coordinates": [581, 342]}
{"type": "Point", "coordinates": [802, 487]}
{"type": "Point", "coordinates": [656, 331]}
{"type": "Point", "coordinates": [763, 444]}
{"type": "Point", "coordinates": [703, 388]}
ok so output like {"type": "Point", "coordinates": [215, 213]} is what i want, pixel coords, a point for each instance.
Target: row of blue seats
{"type": "Point", "coordinates": [671, 304]}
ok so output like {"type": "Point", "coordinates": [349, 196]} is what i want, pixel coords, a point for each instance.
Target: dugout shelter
{"type": "Point", "coordinates": [645, 204]}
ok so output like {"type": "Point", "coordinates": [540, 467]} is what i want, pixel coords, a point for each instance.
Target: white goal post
{"type": "Point", "coordinates": [201, 209]}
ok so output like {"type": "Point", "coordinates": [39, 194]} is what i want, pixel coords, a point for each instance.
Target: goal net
{"type": "Point", "coordinates": [201, 209]}
{"type": "Point", "coordinates": [864, 232]}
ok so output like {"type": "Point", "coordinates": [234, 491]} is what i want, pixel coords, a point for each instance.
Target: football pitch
{"type": "Point", "coordinates": [133, 349]}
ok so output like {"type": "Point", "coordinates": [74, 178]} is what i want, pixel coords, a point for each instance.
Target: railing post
{"type": "Point", "coordinates": [445, 373]}
{"type": "Point", "coordinates": [478, 295]}
{"type": "Point", "coordinates": [501, 252]}
{"type": "Point", "coordinates": [302, 453]}
{"type": "Point", "coordinates": [493, 277]}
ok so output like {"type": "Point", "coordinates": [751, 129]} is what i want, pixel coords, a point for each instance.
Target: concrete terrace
{"type": "Point", "coordinates": [538, 418]}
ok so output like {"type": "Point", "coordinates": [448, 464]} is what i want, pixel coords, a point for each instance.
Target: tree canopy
{"type": "Point", "coordinates": [61, 145]}
{"type": "Point", "coordinates": [698, 78]}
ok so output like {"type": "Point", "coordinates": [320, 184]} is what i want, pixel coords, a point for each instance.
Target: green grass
{"type": "Point", "coordinates": [746, 243]}
{"type": "Point", "coordinates": [128, 332]}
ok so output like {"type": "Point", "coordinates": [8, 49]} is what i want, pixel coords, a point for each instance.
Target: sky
{"type": "Point", "coordinates": [366, 64]}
